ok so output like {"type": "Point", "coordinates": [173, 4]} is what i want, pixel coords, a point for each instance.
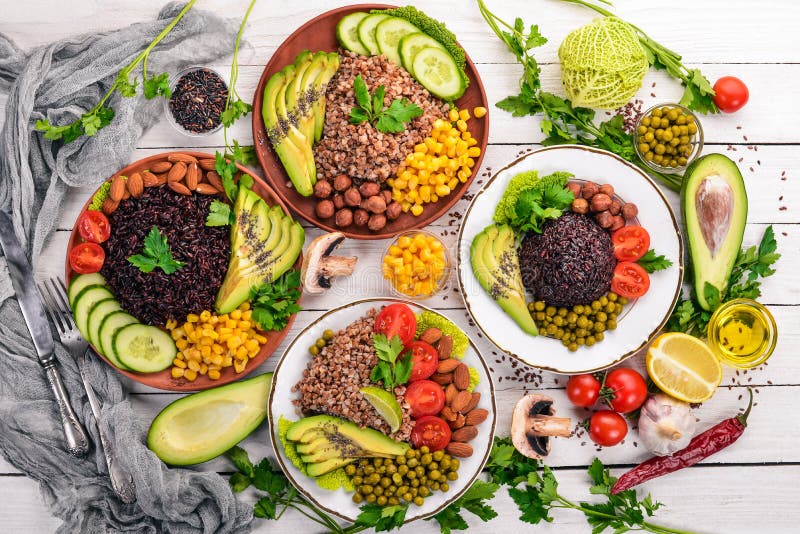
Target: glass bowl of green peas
{"type": "Point", "coordinates": [668, 137]}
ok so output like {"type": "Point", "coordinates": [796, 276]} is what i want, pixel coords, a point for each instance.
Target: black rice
{"type": "Point", "coordinates": [155, 297]}
{"type": "Point", "coordinates": [571, 262]}
{"type": "Point", "coordinates": [198, 100]}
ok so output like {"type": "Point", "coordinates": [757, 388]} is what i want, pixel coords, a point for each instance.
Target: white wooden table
{"type": "Point", "coordinates": [749, 487]}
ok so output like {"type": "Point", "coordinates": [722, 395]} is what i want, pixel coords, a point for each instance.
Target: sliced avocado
{"type": "Point", "coordinates": [345, 435]}
{"type": "Point", "coordinates": [296, 103]}
{"type": "Point", "coordinates": [331, 66]}
{"type": "Point", "coordinates": [494, 261]}
{"type": "Point", "coordinates": [311, 447]}
{"type": "Point", "coordinates": [204, 425]}
{"type": "Point", "coordinates": [714, 208]}
{"type": "Point", "coordinates": [315, 470]}
{"type": "Point", "coordinates": [290, 119]}
{"type": "Point", "coordinates": [306, 87]}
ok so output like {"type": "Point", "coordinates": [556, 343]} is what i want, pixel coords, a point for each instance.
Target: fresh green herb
{"type": "Point", "coordinates": [156, 253]}
{"type": "Point", "coordinates": [370, 109]}
{"type": "Point", "coordinates": [540, 204]}
{"type": "Point", "coordinates": [100, 115]}
{"type": "Point", "coordinates": [698, 94]}
{"type": "Point", "coordinates": [474, 501]}
{"type": "Point", "coordinates": [390, 369]}
{"type": "Point", "coordinates": [751, 264]}
{"type": "Point", "coordinates": [506, 465]}
{"type": "Point", "coordinates": [220, 213]}
{"type": "Point", "coordinates": [273, 304]}
{"type": "Point", "coordinates": [651, 262]}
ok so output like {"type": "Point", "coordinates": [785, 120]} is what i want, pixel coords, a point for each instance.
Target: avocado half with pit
{"type": "Point", "coordinates": [202, 426]}
{"type": "Point", "coordinates": [714, 208]}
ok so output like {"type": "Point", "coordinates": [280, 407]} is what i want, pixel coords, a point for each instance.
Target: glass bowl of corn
{"type": "Point", "coordinates": [416, 264]}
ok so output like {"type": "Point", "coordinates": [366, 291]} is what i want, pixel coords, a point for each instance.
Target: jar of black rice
{"type": "Point", "coordinates": [197, 101]}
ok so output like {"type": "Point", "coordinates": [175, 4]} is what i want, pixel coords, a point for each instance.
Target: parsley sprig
{"type": "Point", "coordinates": [156, 253]}
{"type": "Point", "coordinates": [220, 213]}
{"type": "Point", "coordinates": [273, 304]}
{"type": "Point", "coordinates": [540, 204]}
{"type": "Point", "coordinates": [370, 109]}
{"type": "Point", "coordinates": [652, 262]}
{"type": "Point", "coordinates": [391, 369]}
{"type": "Point", "coordinates": [100, 115]}
{"type": "Point", "coordinates": [474, 501]}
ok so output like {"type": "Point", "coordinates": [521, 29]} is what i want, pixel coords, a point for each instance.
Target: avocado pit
{"type": "Point", "coordinates": [714, 204]}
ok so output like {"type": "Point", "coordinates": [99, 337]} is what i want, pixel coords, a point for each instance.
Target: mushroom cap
{"type": "Point", "coordinates": [314, 281]}
{"type": "Point", "coordinates": [526, 443]}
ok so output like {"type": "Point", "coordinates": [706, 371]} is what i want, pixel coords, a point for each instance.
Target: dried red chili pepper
{"type": "Point", "coordinates": [702, 446]}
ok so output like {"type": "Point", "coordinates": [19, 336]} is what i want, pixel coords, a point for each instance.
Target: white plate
{"type": "Point", "coordinates": [641, 320]}
{"type": "Point", "coordinates": [290, 370]}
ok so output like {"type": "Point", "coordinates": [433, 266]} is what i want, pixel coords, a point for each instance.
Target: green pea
{"type": "Point", "coordinates": [320, 343]}
{"type": "Point", "coordinates": [314, 350]}
{"type": "Point", "coordinates": [419, 501]}
{"type": "Point", "coordinates": [327, 335]}
{"type": "Point", "coordinates": [381, 501]}
{"type": "Point", "coordinates": [358, 498]}
{"type": "Point", "coordinates": [371, 498]}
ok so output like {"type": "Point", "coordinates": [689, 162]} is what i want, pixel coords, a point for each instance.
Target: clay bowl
{"type": "Point", "coordinates": [320, 34]}
{"type": "Point", "coordinates": [163, 379]}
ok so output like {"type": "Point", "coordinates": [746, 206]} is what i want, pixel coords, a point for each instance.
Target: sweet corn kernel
{"type": "Point", "coordinates": [177, 372]}
{"type": "Point", "coordinates": [479, 112]}
{"type": "Point", "coordinates": [213, 374]}
{"type": "Point", "coordinates": [177, 362]}
{"type": "Point", "coordinates": [416, 209]}
{"type": "Point", "coordinates": [190, 375]}
{"type": "Point", "coordinates": [463, 114]}
{"type": "Point", "coordinates": [194, 365]}
{"type": "Point", "coordinates": [192, 318]}
{"type": "Point", "coordinates": [181, 343]}
{"type": "Point", "coordinates": [453, 115]}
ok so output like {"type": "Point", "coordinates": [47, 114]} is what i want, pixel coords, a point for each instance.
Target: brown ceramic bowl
{"type": "Point", "coordinates": [320, 34]}
{"type": "Point", "coordinates": [163, 379]}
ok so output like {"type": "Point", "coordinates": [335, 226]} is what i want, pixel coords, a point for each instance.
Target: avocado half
{"type": "Point", "coordinates": [714, 208]}
{"type": "Point", "coordinates": [202, 426]}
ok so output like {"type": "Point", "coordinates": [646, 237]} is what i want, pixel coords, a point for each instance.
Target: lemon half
{"type": "Point", "coordinates": [684, 367]}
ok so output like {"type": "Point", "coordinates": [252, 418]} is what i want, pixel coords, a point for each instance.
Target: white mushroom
{"type": "Point", "coordinates": [533, 423]}
{"type": "Point", "coordinates": [319, 266]}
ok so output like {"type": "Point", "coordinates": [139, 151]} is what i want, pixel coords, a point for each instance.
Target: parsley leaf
{"type": "Point", "coordinates": [382, 518]}
{"type": "Point", "coordinates": [236, 109]}
{"type": "Point", "coordinates": [506, 465]}
{"type": "Point", "coordinates": [539, 204]}
{"type": "Point", "coordinates": [219, 214]}
{"type": "Point", "coordinates": [472, 501]}
{"type": "Point", "coordinates": [274, 303]}
{"type": "Point", "coordinates": [651, 262]}
{"type": "Point", "coordinates": [371, 109]}
{"type": "Point", "coordinates": [268, 479]}
{"type": "Point", "coordinates": [156, 253]}
{"type": "Point", "coordinates": [157, 85]}
{"type": "Point", "coordinates": [241, 460]}
{"type": "Point", "coordinates": [390, 370]}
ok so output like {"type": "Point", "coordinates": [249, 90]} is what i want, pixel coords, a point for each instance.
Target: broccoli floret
{"type": "Point", "coordinates": [100, 197]}
{"type": "Point", "coordinates": [331, 481]}
{"type": "Point", "coordinates": [427, 319]}
{"type": "Point", "coordinates": [506, 208]}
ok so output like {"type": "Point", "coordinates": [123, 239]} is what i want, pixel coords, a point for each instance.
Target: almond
{"type": "Point", "coordinates": [448, 414]}
{"type": "Point", "coordinates": [183, 158]}
{"type": "Point", "coordinates": [160, 166]}
{"type": "Point", "coordinates": [162, 179]}
{"type": "Point", "coordinates": [447, 366]}
{"type": "Point", "coordinates": [459, 450]}
{"type": "Point", "coordinates": [477, 416]}
{"type": "Point", "coordinates": [445, 347]}
{"type": "Point", "coordinates": [126, 194]}
{"type": "Point", "coordinates": [179, 188]}
{"type": "Point", "coordinates": [149, 179]}
{"type": "Point", "coordinates": [117, 190]}
{"type": "Point", "coordinates": [458, 423]}
{"type": "Point", "coordinates": [206, 189]}
{"type": "Point", "coordinates": [135, 185]}
{"type": "Point", "coordinates": [473, 402]}
{"type": "Point", "coordinates": [192, 176]}
{"type": "Point", "coordinates": [450, 393]}
{"type": "Point", "coordinates": [442, 379]}
{"type": "Point", "coordinates": [109, 205]}
{"type": "Point", "coordinates": [177, 172]}
{"type": "Point", "coordinates": [461, 376]}
{"type": "Point", "coordinates": [461, 401]}
{"type": "Point", "coordinates": [465, 433]}
{"type": "Point", "coordinates": [207, 164]}
{"type": "Point", "coordinates": [214, 179]}
{"type": "Point", "coordinates": [431, 335]}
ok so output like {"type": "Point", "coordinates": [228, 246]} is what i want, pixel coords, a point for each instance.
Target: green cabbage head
{"type": "Point", "coordinates": [602, 64]}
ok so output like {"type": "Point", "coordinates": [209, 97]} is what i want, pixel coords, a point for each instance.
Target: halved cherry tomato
{"type": "Point", "coordinates": [425, 397]}
{"type": "Point", "coordinates": [425, 360]}
{"type": "Point", "coordinates": [628, 387]}
{"type": "Point", "coordinates": [607, 428]}
{"type": "Point", "coordinates": [630, 243]}
{"type": "Point", "coordinates": [730, 94]}
{"type": "Point", "coordinates": [630, 280]}
{"type": "Point", "coordinates": [397, 320]}
{"type": "Point", "coordinates": [93, 226]}
{"type": "Point", "coordinates": [86, 258]}
{"type": "Point", "coordinates": [583, 390]}
{"type": "Point", "coordinates": [432, 432]}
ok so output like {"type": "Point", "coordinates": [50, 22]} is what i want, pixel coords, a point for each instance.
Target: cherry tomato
{"type": "Point", "coordinates": [629, 389]}
{"type": "Point", "coordinates": [731, 94]}
{"type": "Point", "coordinates": [607, 428]}
{"type": "Point", "coordinates": [397, 320]}
{"type": "Point", "coordinates": [425, 397]}
{"type": "Point", "coordinates": [630, 243]}
{"type": "Point", "coordinates": [425, 360]}
{"type": "Point", "coordinates": [583, 390]}
{"type": "Point", "coordinates": [86, 258]}
{"type": "Point", "coordinates": [93, 226]}
{"type": "Point", "coordinates": [630, 280]}
{"type": "Point", "coordinates": [432, 432]}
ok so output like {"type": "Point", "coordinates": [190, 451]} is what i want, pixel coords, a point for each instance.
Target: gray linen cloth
{"type": "Point", "coordinates": [60, 81]}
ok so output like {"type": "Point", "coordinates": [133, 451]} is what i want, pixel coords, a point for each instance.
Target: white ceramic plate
{"type": "Point", "coordinates": [290, 370]}
{"type": "Point", "coordinates": [640, 321]}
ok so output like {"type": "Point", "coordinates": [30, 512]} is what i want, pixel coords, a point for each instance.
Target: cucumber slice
{"type": "Point", "coordinates": [388, 34]}
{"type": "Point", "coordinates": [81, 282]}
{"type": "Point", "coordinates": [143, 348]}
{"type": "Point", "coordinates": [411, 44]}
{"type": "Point", "coordinates": [436, 70]}
{"type": "Point", "coordinates": [108, 327]}
{"type": "Point", "coordinates": [347, 33]}
{"type": "Point", "coordinates": [97, 313]}
{"type": "Point", "coordinates": [87, 298]}
{"type": "Point", "coordinates": [366, 32]}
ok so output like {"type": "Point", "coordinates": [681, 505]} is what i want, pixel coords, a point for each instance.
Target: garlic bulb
{"type": "Point", "coordinates": [666, 425]}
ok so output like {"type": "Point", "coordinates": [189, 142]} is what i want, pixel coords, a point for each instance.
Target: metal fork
{"type": "Point", "coordinates": [55, 296]}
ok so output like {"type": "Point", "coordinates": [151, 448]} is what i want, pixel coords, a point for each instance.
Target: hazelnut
{"type": "Point", "coordinates": [600, 202]}
{"type": "Point", "coordinates": [374, 204]}
{"type": "Point", "coordinates": [580, 205]}
{"type": "Point", "coordinates": [393, 210]}
{"type": "Point", "coordinates": [630, 211]}
{"type": "Point", "coordinates": [387, 196]}
{"type": "Point", "coordinates": [575, 188]}
{"type": "Point", "coordinates": [376, 222]}
{"type": "Point", "coordinates": [617, 222]}
{"type": "Point", "coordinates": [589, 190]}
{"type": "Point", "coordinates": [607, 189]}
{"type": "Point", "coordinates": [615, 206]}
{"type": "Point", "coordinates": [324, 209]}
{"type": "Point", "coordinates": [352, 197]}
{"type": "Point", "coordinates": [360, 217]}
{"type": "Point", "coordinates": [604, 219]}
{"type": "Point", "coordinates": [323, 189]}
{"type": "Point", "coordinates": [338, 201]}
{"type": "Point", "coordinates": [344, 217]}
{"type": "Point", "coordinates": [342, 182]}
{"type": "Point", "coordinates": [369, 189]}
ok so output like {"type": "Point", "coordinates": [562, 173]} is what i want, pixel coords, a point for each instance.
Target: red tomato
{"type": "Point", "coordinates": [630, 243]}
{"type": "Point", "coordinates": [731, 94]}
{"type": "Point", "coordinates": [425, 397]}
{"type": "Point", "coordinates": [629, 389]}
{"type": "Point", "coordinates": [607, 428]}
{"type": "Point", "coordinates": [94, 226]}
{"type": "Point", "coordinates": [630, 280]}
{"type": "Point", "coordinates": [86, 258]}
{"type": "Point", "coordinates": [397, 320]}
{"type": "Point", "coordinates": [425, 360]}
{"type": "Point", "coordinates": [583, 390]}
{"type": "Point", "coordinates": [432, 432]}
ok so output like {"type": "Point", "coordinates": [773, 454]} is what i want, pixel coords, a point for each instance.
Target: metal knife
{"type": "Point", "coordinates": [32, 310]}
